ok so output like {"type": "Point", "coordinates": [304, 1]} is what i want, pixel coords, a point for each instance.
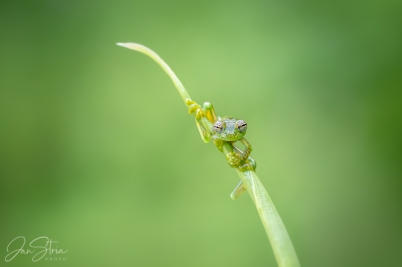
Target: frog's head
{"type": "Point", "coordinates": [229, 129]}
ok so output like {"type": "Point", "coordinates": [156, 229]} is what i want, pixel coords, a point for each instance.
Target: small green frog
{"type": "Point", "coordinates": [225, 132]}
{"type": "Point", "coordinates": [228, 129]}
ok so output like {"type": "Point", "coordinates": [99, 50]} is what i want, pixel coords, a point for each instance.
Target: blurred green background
{"type": "Point", "coordinates": [97, 150]}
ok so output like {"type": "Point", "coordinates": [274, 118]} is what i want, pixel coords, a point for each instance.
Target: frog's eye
{"type": "Point", "coordinates": [218, 126]}
{"type": "Point", "coordinates": [241, 125]}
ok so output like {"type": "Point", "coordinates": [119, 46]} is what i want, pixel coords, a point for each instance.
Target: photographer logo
{"type": "Point", "coordinates": [41, 248]}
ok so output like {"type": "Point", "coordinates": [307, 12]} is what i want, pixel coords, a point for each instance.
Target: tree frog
{"type": "Point", "coordinates": [225, 132]}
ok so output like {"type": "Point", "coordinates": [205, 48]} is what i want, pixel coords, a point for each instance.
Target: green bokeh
{"type": "Point", "coordinates": [98, 153]}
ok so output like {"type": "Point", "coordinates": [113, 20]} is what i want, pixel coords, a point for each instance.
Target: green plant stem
{"type": "Point", "coordinates": [143, 49]}
{"type": "Point", "coordinates": [278, 236]}
{"type": "Point", "coordinates": [274, 227]}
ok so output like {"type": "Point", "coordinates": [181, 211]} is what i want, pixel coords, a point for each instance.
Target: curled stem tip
{"type": "Point", "coordinates": [143, 49]}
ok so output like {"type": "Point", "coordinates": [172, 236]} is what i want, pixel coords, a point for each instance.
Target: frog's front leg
{"type": "Point", "coordinates": [210, 112]}
{"type": "Point", "coordinates": [233, 157]}
{"type": "Point", "coordinates": [246, 153]}
{"type": "Point", "coordinates": [249, 163]}
{"type": "Point", "coordinates": [204, 118]}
